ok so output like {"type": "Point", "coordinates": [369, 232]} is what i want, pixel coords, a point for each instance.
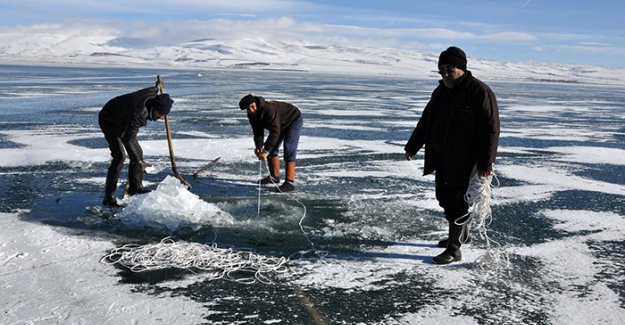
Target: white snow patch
{"type": "Point", "coordinates": [48, 277]}
{"type": "Point", "coordinates": [171, 207]}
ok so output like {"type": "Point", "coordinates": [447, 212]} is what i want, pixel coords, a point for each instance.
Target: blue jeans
{"type": "Point", "coordinates": [290, 138]}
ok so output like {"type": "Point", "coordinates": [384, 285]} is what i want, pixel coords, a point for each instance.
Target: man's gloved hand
{"type": "Point", "coordinates": [261, 153]}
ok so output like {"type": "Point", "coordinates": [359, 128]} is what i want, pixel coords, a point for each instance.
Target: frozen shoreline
{"type": "Point", "coordinates": [559, 75]}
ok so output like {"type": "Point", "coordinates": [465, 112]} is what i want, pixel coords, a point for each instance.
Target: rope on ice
{"type": "Point", "coordinates": [260, 174]}
{"type": "Point", "coordinates": [221, 263]}
{"type": "Point", "coordinates": [312, 250]}
{"type": "Point", "coordinates": [479, 195]}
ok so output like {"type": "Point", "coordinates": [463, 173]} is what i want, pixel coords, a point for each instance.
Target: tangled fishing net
{"type": "Point", "coordinates": [479, 195]}
{"type": "Point", "coordinates": [219, 263]}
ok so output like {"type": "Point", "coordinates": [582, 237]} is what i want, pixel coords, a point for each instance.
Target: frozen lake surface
{"type": "Point", "coordinates": [559, 210]}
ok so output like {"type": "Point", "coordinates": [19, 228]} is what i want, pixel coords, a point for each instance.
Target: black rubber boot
{"type": "Point", "coordinates": [465, 237]}
{"type": "Point", "coordinates": [110, 200]}
{"type": "Point", "coordinates": [269, 180]}
{"type": "Point", "coordinates": [286, 187]}
{"type": "Point", "coordinates": [110, 188]}
{"type": "Point", "coordinates": [452, 252]}
{"type": "Point", "coordinates": [274, 172]}
{"type": "Point", "coordinates": [289, 183]}
{"type": "Point", "coordinates": [135, 179]}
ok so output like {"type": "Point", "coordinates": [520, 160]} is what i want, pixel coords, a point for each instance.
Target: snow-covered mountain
{"type": "Point", "coordinates": [103, 47]}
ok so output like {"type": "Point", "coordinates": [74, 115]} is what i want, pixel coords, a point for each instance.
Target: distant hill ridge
{"type": "Point", "coordinates": [102, 49]}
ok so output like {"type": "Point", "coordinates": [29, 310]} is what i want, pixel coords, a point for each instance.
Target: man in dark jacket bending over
{"type": "Point", "coordinates": [284, 122]}
{"type": "Point", "coordinates": [460, 130]}
{"type": "Point", "coordinates": [120, 120]}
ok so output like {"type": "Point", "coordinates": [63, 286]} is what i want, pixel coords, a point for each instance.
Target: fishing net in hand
{"type": "Point", "coordinates": [479, 196]}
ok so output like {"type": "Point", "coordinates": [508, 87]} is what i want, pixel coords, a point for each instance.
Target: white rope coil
{"type": "Point", "coordinates": [221, 263]}
{"type": "Point", "coordinates": [479, 196]}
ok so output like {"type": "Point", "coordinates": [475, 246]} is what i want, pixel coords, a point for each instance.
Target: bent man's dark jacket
{"type": "Point", "coordinates": [122, 116]}
{"type": "Point", "coordinates": [274, 116]}
{"type": "Point", "coordinates": [460, 130]}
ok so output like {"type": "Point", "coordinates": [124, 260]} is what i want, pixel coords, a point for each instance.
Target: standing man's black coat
{"type": "Point", "coordinates": [460, 130]}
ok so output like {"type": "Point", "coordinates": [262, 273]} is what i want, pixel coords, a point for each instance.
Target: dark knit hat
{"type": "Point", "coordinates": [162, 103]}
{"type": "Point", "coordinates": [246, 101]}
{"type": "Point", "coordinates": [453, 56]}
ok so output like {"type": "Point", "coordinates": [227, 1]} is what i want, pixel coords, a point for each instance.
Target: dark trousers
{"type": "Point", "coordinates": [290, 138]}
{"type": "Point", "coordinates": [451, 199]}
{"type": "Point", "coordinates": [113, 136]}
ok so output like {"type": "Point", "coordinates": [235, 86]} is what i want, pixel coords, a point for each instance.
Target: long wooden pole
{"type": "Point", "coordinates": [161, 87]}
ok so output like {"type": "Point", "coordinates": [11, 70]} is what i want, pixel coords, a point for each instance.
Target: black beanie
{"type": "Point", "coordinates": [162, 103]}
{"type": "Point", "coordinates": [453, 56]}
{"type": "Point", "coordinates": [246, 101]}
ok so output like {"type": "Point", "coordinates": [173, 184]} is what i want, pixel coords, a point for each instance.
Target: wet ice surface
{"type": "Point", "coordinates": [559, 210]}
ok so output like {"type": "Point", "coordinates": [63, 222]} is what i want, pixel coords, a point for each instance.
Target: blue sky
{"type": "Point", "coordinates": [577, 32]}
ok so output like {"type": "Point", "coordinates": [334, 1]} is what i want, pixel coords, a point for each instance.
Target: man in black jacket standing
{"type": "Point", "coordinates": [459, 128]}
{"type": "Point", "coordinates": [120, 120]}
{"type": "Point", "coordinates": [284, 122]}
